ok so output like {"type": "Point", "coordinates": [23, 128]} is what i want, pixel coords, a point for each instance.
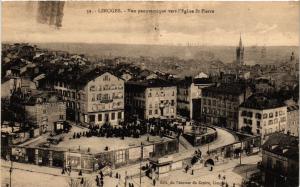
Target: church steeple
{"type": "Point", "coordinates": [240, 44]}
{"type": "Point", "coordinates": [240, 52]}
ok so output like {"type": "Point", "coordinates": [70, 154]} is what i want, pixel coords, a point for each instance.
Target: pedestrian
{"type": "Point", "coordinates": [63, 171]}
{"type": "Point", "coordinates": [219, 176]}
{"type": "Point", "coordinates": [233, 185]}
{"type": "Point", "coordinates": [97, 180]}
{"type": "Point", "coordinates": [80, 173]}
{"type": "Point", "coordinates": [101, 174]}
{"type": "Point", "coordinates": [82, 181]}
{"type": "Point", "coordinates": [192, 172]}
{"type": "Point", "coordinates": [222, 183]}
{"type": "Point", "coordinates": [117, 175]}
{"type": "Point", "coordinates": [211, 168]}
{"type": "Point", "coordinates": [226, 185]}
{"type": "Point", "coordinates": [154, 182]}
{"type": "Point", "coordinates": [186, 168]}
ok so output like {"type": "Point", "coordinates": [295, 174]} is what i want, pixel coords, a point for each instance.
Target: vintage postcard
{"type": "Point", "coordinates": [149, 93]}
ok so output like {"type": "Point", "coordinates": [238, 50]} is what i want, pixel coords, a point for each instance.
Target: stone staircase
{"type": "Point", "coordinates": [185, 143]}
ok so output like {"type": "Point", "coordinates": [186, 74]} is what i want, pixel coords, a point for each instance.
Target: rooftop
{"type": "Point", "coordinates": [283, 145]}
{"type": "Point", "coordinates": [187, 81]}
{"type": "Point", "coordinates": [232, 89]}
{"type": "Point", "coordinates": [152, 83]}
{"type": "Point", "coordinates": [261, 101]}
{"type": "Point", "coordinates": [78, 76]}
{"type": "Point", "coordinates": [42, 97]}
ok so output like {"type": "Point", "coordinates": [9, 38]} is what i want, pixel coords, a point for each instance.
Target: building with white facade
{"type": "Point", "coordinates": [262, 115]}
{"type": "Point", "coordinates": [153, 98]}
{"type": "Point", "coordinates": [189, 94]}
{"type": "Point", "coordinates": [94, 97]}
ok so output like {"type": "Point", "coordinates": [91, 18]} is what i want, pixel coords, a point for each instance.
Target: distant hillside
{"type": "Point", "coordinates": [223, 53]}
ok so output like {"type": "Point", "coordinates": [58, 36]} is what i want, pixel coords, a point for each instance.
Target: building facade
{"type": "Point", "coordinates": [97, 98]}
{"type": "Point", "coordinates": [261, 115]}
{"type": "Point", "coordinates": [153, 98]}
{"type": "Point", "coordinates": [45, 110]}
{"type": "Point", "coordinates": [280, 161]}
{"type": "Point", "coordinates": [220, 104]}
{"type": "Point", "coordinates": [189, 94]}
{"type": "Point", "coordinates": [292, 124]}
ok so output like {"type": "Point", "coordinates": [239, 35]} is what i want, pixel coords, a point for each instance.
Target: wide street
{"type": "Point", "coordinates": [44, 176]}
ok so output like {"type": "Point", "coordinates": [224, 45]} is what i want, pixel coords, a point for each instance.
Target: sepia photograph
{"type": "Point", "coordinates": [150, 93]}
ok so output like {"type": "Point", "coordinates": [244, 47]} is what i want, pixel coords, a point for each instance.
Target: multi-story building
{"type": "Point", "coordinates": [292, 124]}
{"type": "Point", "coordinates": [93, 97]}
{"type": "Point", "coordinates": [153, 98]}
{"type": "Point", "coordinates": [262, 115]}
{"type": "Point", "coordinates": [46, 111]}
{"type": "Point", "coordinates": [189, 94]}
{"type": "Point", "coordinates": [220, 104]}
{"type": "Point", "coordinates": [280, 160]}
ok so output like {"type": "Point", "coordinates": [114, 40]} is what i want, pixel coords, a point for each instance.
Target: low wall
{"type": "Point", "coordinates": [52, 157]}
{"type": "Point", "coordinates": [201, 139]}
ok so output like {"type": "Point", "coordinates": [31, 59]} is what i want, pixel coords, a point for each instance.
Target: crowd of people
{"type": "Point", "coordinates": [135, 129]}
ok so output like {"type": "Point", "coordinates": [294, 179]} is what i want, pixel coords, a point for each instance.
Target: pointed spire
{"type": "Point", "coordinates": [240, 44]}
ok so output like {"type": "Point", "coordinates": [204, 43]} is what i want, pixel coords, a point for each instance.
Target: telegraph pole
{"type": "Point", "coordinates": [241, 153]}
{"type": "Point", "coordinates": [125, 178]}
{"type": "Point", "coordinates": [141, 164]}
{"type": "Point", "coordinates": [10, 171]}
{"type": "Point", "coordinates": [208, 148]}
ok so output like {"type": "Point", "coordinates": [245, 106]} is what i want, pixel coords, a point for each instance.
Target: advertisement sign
{"type": "Point", "coordinates": [147, 150]}
{"type": "Point", "coordinates": [18, 151]}
{"type": "Point", "coordinates": [134, 153]}
{"type": "Point", "coordinates": [74, 160]}
{"type": "Point", "coordinates": [236, 146]}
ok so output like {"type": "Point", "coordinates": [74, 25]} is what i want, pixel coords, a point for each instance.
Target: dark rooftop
{"type": "Point", "coordinates": [261, 101]}
{"type": "Point", "coordinates": [78, 76]}
{"type": "Point", "coordinates": [152, 83]}
{"type": "Point", "coordinates": [283, 145]}
{"type": "Point", "coordinates": [187, 81]}
{"type": "Point", "coordinates": [292, 108]}
{"type": "Point", "coordinates": [232, 89]}
{"type": "Point", "coordinates": [42, 97]}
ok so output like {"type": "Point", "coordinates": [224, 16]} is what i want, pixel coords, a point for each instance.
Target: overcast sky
{"type": "Point", "coordinates": [268, 23]}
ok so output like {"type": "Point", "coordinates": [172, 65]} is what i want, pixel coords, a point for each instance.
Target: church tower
{"type": "Point", "coordinates": [240, 53]}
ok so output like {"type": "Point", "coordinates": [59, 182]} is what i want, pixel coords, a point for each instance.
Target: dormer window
{"type": "Point", "coordinates": [274, 146]}
{"type": "Point", "coordinates": [284, 150]}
